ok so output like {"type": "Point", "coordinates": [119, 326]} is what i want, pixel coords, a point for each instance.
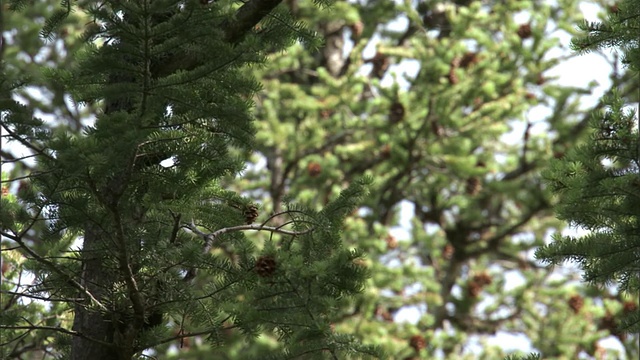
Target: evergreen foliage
{"type": "Point", "coordinates": [248, 239]}
{"type": "Point", "coordinates": [598, 182]}
{"type": "Point", "coordinates": [163, 256]}
{"type": "Point", "coordinates": [618, 31]}
{"type": "Point", "coordinates": [531, 356]}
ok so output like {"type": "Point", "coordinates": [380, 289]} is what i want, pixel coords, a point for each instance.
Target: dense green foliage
{"type": "Point", "coordinates": [163, 256]}
{"type": "Point", "coordinates": [599, 180]}
{"type": "Point", "coordinates": [219, 169]}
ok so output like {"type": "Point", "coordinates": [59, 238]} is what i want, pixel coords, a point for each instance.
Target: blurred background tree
{"type": "Point", "coordinates": [450, 107]}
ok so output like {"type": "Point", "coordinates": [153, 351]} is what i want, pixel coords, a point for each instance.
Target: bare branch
{"type": "Point", "coordinates": [211, 237]}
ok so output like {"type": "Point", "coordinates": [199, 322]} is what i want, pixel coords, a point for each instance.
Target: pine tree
{"type": "Point", "coordinates": [138, 242]}
{"type": "Point", "coordinates": [598, 182]}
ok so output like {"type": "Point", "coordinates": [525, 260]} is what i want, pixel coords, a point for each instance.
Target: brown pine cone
{"type": "Point", "coordinates": [392, 242]}
{"type": "Point", "coordinates": [448, 251]}
{"type": "Point", "coordinates": [524, 31]}
{"type": "Point", "coordinates": [314, 169]}
{"type": "Point", "coordinates": [575, 303]}
{"type": "Point", "coordinates": [396, 113]}
{"type": "Point", "coordinates": [380, 63]}
{"type": "Point", "coordinates": [266, 266]}
{"type": "Point", "coordinates": [417, 342]}
{"type": "Point", "coordinates": [473, 186]}
{"type": "Point", "coordinates": [468, 59]}
{"type": "Point", "coordinates": [250, 214]}
{"type": "Point", "coordinates": [473, 289]}
{"type": "Point", "coordinates": [629, 307]}
{"type": "Point", "coordinates": [482, 279]}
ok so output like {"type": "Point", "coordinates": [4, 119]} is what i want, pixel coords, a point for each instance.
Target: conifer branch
{"type": "Point", "coordinates": [183, 335]}
{"type": "Point", "coordinates": [8, 157]}
{"type": "Point", "coordinates": [247, 17]}
{"type": "Point", "coordinates": [260, 228]}
{"type": "Point", "coordinates": [210, 238]}
{"type": "Point", "coordinates": [26, 143]}
{"type": "Point", "coordinates": [51, 266]}
{"type": "Point", "coordinates": [59, 329]}
{"type": "Point", "coordinates": [275, 215]}
{"type": "Point", "coordinates": [41, 298]}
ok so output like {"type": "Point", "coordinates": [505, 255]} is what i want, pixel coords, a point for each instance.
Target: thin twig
{"type": "Point", "coordinates": [55, 269]}
{"type": "Point", "coordinates": [32, 327]}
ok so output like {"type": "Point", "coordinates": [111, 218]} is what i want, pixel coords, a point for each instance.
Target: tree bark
{"type": "Point", "coordinates": [97, 329]}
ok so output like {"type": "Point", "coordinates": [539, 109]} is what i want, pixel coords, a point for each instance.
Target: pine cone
{"type": "Point", "coordinates": [483, 279]}
{"type": "Point", "coordinates": [24, 188]}
{"type": "Point", "coordinates": [266, 266]}
{"type": "Point", "coordinates": [5, 267]}
{"type": "Point", "coordinates": [357, 28]}
{"type": "Point", "coordinates": [524, 31]}
{"type": "Point", "coordinates": [473, 289]}
{"type": "Point", "coordinates": [468, 59]}
{"type": "Point", "coordinates": [417, 342]}
{"type": "Point", "coordinates": [385, 151]}
{"type": "Point", "coordinates": [396, 113]}
{"type": "Point", "coordinates": [448, 251]}
{"type": "Point", "coordinates": [473, 186]}
{"type": "Point", "coordinates": [380, 65]}
{"type": "Point", "coordinates": [314, 169]}
{"type": "Point", "coordinates": [575, 303]}
{"type": "Point", "coordinates": [609, 323]}
{"type": "Point", "coordinates": [629, 307]}
{"type": "Point", "coordinates": [453, 78]}
{"type": "Point", "coordinates": [250, 214]}
{"type": "Point", "coordinates": [392, 242]}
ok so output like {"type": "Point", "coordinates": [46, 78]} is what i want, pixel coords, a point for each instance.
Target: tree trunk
{"type": "Point", "coordinates": [88, 321]}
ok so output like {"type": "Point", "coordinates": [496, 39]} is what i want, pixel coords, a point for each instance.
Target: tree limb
{"type": "Point", "coordinates": [247, 17]}
{"type": "Point", "coordinates": [55, 269]}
